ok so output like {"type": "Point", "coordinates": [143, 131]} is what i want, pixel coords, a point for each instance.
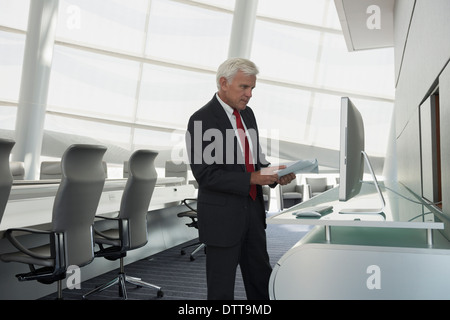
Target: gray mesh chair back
{"type": "Point", "coordinates": [179, 170]}
{"type": "Point", "coordinates": [70, 240]}
{"type": "Point", "coordinates": [317, 185]}
{"type": "Point", "coordinates": [17, 170]}
{"type": "Point", "coordinates": [137, 195]}
{"type": "Point", "coordinates": [131, 229]}
{"type": "Point", "coordinates": [125, 169]}
{"type": "Point", "coordinates": [76, 201]}
{"type": "Point", "coordinates": [6, 178]}
{"type": "Point", "coordinates": [50, 170]}
{"type": "Point", "coordinates": [291, 194]}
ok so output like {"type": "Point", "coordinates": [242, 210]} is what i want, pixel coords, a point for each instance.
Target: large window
{"type": "Point", "coordinates": [303, 58]}
{"type": "Point", "coordinates": [139, 64]}
{"type": "Point", "coordinates": [130, 73]}
{"type": "Point", "coordinates": [284, 52]}
{"type": "Point", "coordinates": [117, 25]}
{"type": "Point", "coordinates": [12, 45]}
{"type": "Point", "coordinates": [188, 34]}
{"type": "Point", "coordinates": [91, 84]}
{"type": "Point", "coordinates": [11, 48]}
{"type": "Point", "coordinates": [168, 96]}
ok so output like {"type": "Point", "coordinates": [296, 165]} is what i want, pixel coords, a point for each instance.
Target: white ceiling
{"type": "Point", "coordinates": [358, 20]}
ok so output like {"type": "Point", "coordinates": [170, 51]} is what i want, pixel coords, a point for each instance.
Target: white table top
{"type": "Point", "coordinates": [30, 204]}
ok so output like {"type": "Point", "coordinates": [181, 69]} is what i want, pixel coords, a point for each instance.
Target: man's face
{"type": "Point", "coordinates": [237, 94]}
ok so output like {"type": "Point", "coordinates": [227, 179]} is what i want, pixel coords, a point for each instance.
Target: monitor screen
{"type": "Point", "coordinates": [353, 157]}
{"type": "Point", "coordinates": [351, 161]}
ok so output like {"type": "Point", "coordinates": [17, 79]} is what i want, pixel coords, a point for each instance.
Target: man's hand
{"type": "Point", "coordinates": [286, 179]}
{"type": "Point", "coordinates": [268, 176]}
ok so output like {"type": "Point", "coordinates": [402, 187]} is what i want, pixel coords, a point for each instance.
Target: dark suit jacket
{"type": "Point", "coordinates": [223, 183]}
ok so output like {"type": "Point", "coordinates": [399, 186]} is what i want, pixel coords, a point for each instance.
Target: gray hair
{"type": "Point", "coordinates": [232, 66]}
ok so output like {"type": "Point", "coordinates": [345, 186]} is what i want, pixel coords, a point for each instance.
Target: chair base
{"type": "Point", "coordinates": [45, 275]}
{"type": "Point", "coordinates": [121, 279]}
{"type": "Point", "coordinates": [191, 256]}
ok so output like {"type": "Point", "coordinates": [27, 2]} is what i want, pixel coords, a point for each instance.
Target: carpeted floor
{"type": "Point", "coordinates": [180, 278]}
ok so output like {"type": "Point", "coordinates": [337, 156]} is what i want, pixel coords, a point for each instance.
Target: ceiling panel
{"type": "Point", "coordinates": [367, 24]}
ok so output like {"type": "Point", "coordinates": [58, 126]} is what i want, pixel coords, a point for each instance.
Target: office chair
{"type": "Point", "coordinates": [52, 170]}
{"type": "Point", "coordinates": [292, 194]}
{"type": "Point", "coordinates": [125, 169]}
{"type": "Point", "coordinates": [317, 185]}
{"type": "Point", "coordinates": [192, 214]}
{"type": "Point", "coordinates": [130, 229]}
{"type": "Point", "coordinates": [70, 238]}
{"type": "Point", "coordinates": [17, 170]}
{"type": "Point", "coordinates": [173, 169]}
{"type": "Point", "coordinates": [6, 178]}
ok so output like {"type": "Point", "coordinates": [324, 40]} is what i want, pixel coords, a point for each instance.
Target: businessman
{"type": "Point", "coordinates": [226, 160]}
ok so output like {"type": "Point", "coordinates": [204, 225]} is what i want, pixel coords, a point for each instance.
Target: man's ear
{"type": "Point", "coordinates": [223, 83]}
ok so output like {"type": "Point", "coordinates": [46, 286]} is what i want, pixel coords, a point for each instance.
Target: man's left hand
{"type": "Point", "coordinates": [284, 180]}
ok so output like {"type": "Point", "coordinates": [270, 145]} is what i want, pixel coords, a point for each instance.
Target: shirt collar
{"type": "Point", "coordinates": [229, 110]}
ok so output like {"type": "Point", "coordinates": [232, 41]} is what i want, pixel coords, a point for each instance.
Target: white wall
{"type": "Point", "coordinates": [422, 50]}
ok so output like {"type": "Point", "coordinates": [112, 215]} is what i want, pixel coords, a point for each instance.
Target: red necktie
{"type": "Point", "coordinates": [247, 154]}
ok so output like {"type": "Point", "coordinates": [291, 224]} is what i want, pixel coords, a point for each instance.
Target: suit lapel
{"type": "Point", "coordinates": [223, 123]}
{"type": "Point", "coordinates": [248, 119]}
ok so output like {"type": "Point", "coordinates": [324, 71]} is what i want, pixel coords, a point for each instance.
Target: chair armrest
{"type": "Point", "coordinates": [299, 189]}
{"type": "Point", "coordinates": [120, 223]}
{"type": "Point", "coordinates": [101, 234]}
{"type": "Point", "coordinates": [185, 202]}
{"type": "Point", "coordinates": [29, 230]}
{"type": "Point", "coordinates": [106, 218]}
{"type": "Point", "coordinates": [15, 242]}
{"type": "Point", "coordinates": [308, 190]}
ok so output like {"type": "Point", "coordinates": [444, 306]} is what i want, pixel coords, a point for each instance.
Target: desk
{"type": "Point", "coordinates": [401, 211]}
{"type": "Point", "coordinates": [31, 204]}
{"type": "Point", "coordinates": [398, 255]}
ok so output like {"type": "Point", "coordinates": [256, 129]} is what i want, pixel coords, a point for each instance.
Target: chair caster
{"type": "Point", "coordinates": [160, 294]}
{"type": "Point", "coordinates": [183, 252]}
{"type": "Point", "coordinates": [191, 258]}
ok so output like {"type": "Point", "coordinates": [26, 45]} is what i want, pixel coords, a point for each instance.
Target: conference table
{"type": "Point", "coordinates": [30, 202]}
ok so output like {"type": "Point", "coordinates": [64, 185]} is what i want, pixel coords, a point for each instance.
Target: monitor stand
{"type": "Point", "coordinates": [369, 210]}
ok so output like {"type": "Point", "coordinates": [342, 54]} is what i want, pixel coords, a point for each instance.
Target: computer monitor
{"type": "Point", "coordinates": [352, 158]}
